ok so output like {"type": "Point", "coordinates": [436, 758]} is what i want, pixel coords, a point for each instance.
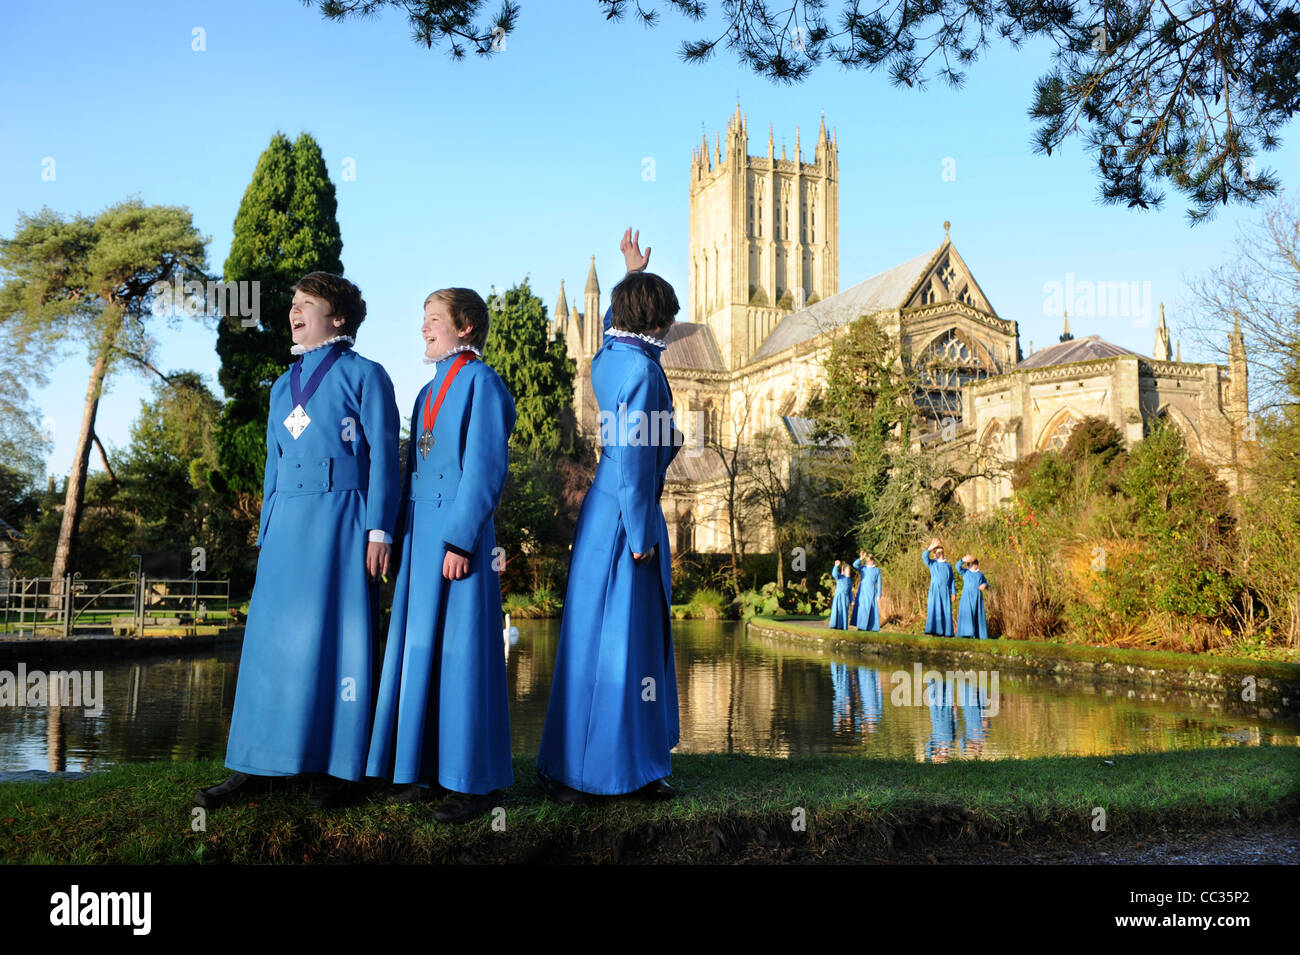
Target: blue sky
{"type": "Point", "coordinates": [480, 173]}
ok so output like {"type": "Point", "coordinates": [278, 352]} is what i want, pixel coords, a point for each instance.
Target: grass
{"type": "Point", "coordinates": [732, 807]}
{"type": "Point", "coordinates": [814, 627]}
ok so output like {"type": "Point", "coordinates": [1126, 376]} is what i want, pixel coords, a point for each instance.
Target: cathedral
{"type": "Point", "coordinates": [764, 309]}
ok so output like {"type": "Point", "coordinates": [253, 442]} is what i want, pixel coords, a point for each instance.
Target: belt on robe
{"type": "Point", "coordinates": [320, 475]}
{"type": "Point", "coordinates": [438, 487]}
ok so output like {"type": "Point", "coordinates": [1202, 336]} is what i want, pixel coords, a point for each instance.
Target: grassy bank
{"type": "Point", "coordinates": [732, 808]}
{"type": "Point", "coordinates": [1026, 650]}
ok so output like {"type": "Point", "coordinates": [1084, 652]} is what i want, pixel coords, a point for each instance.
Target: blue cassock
{"type": "Point", "coordinates": [943, 584]}
{"type": "Point", "coordinates": [444, 711]}
{"type": "Point", "coordinates": [840, 602]}
{"type": "Point", "coordinates": [867, 614]}
{"type": "Point", "coordinates": [970, 610]}
{"type": "Point", "coordinates": [609, 729]}
{"type": "Point", "coordinates": [303, 700]}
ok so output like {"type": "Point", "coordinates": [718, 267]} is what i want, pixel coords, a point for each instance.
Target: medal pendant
{"type": "Point", "coordinates": [297, 422]}
{"type": "Point", "coordinates": [425, 444]}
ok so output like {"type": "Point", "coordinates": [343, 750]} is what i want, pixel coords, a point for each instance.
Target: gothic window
{"type": "Point", "coordinates": [685, 533]}
{"type": "Point", "coordinates": [947, 275]}
{"type": "Point", "coordinates": [951, 361]}
{"type": "Point", "coordinates": [1058, 431]}
{"type": "Point", "coordinates": [967, 296]}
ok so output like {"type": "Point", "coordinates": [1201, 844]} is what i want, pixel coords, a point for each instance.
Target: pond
{"type": "Point", "coordinates": [737, 694]}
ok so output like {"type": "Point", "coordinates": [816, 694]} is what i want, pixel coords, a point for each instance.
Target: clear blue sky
{"type": "Point", "coordinates": [480, 173]}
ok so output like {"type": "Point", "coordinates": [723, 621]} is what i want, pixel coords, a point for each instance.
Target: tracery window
{"type": "Point", "coordinates": [1058, 432]}
{"type": "Point", "coordinates": [951, 361]}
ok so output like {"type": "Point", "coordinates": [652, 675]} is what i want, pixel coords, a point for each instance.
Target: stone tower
{"type": "Point", "coordinates": [764, 236]}
{"type": "Point", "coordinates": [1162, 351]}
{"type": "Point", "coordinates": [1238, 382]}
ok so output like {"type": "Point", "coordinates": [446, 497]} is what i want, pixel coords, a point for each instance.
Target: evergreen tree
{"type": "Point", "coordinates": [533, 518]}
{"type": "Point", "coordinates": [93, 281]}
{"type": "Point", "coordinates": [536, 369]}
{"type": "Point", "coordinates": [285, 228]}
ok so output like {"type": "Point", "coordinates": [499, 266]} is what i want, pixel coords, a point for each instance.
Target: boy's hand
{"type": "Point", "coordinates": [377, 556]}
{"type": "Point", "coordinates": [646, 557]}
{"type": "Point", "coordinates": [455, 567]}
{"type": "Point", "coordinates": [631, 249]}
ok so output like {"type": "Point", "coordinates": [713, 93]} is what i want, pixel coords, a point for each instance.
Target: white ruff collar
{"type": "Point", "coordinates": [478, 352]}
{"type": "Point", "coordinates": [303, 349]}
{"type": "Point", "coordinates": [657, 342]}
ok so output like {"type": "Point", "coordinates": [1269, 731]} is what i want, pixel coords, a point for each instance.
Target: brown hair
{"type": "Point", "coordinates": [643, 301]}
{"type": "Point", "coordinates": [467, 310]}
{"type": "Point", "coordinates": [343, 297]}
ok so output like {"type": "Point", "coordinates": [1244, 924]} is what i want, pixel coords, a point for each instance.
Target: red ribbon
{"type": "Point", "coordinates": [431, 411]}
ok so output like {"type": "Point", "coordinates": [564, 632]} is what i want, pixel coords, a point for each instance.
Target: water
{"type": "Point", "coordinates": [736, 695]}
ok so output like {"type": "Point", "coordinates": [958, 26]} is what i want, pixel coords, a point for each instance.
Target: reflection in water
{"type": "Point", "coordinates": [736, 695]}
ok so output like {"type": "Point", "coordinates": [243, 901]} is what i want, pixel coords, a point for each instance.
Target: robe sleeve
{"type": "Point", "coordinates": [857, 564]}
{"type": "Point", "coordinates": [484, 462]}
{"type": "Point", "coordinates": [269, 474]}
{"type": "Point", "coordinates": [638, 463]}
{"type": "Point", "coordinates": [925, 556]}
{"type": "Point", "coordinates": [379, 424]}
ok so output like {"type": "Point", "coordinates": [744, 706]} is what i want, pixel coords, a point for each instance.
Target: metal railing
{"type": "Point", "coordinates": [137, 605]}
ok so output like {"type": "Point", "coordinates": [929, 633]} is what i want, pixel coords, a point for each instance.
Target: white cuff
{"type": "Point", "coordinates": [379, 537]}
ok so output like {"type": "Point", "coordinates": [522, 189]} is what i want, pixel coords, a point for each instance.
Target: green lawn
{"type": "Point", "coordinates": [731, 806]}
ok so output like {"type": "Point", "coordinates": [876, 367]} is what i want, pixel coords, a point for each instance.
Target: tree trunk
{"type": "Point", "coordinates": [76, 495]}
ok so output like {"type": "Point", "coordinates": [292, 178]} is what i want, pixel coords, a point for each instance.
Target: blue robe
{"type": "Point", "coordinates": [940, 697]}
{"type": "Point", "coordinates": [943, 584]}
{"type": "Point", "coordinates": [609, 729]}
{"type": "Point", "coordinates": [443, 710]}
{"type": "Point", "coordinates": [866, 616]}
{"type": "Point", "coordinates": [840, 602]}
{"type": "Point", "coordinates": [970, 610]}
{"type": "Point", "coordinates": [303, 700]}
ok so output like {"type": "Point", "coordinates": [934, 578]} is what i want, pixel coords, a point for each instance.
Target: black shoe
{"type": "Point", "coordinates": [411, 792]}
{"type": "Point", "coordinates": [659, 789]}
{"type": "Point", "coordinates": [238, 786]}
{"type": "Point", "coordinates": [330, 792]}
{"type": "Point", "coordinates": [462, 807]}
{"type": "Point", "coordinates": [562, 793]}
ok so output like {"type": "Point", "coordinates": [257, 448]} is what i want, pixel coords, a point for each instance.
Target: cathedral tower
{"type": "Point", "coordinates": [764, 236]}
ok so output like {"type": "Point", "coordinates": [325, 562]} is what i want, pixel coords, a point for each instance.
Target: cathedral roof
{"type": "Point", "coordinates": [695, 467]}
{"type": "Point", "coordinates": [802, 430]}
{"type": "Point", "coordinates": [888, 289]}
{"type": "Point", "coordinates": [692, 346]}
{"type": "Point", "coordinates": [1068, 352]}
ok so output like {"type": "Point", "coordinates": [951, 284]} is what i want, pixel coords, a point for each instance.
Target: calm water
{"type": "Point", "coordinates": [736, 694]}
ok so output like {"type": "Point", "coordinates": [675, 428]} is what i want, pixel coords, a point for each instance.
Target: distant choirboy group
{"type": "Point", "coordinates": [863, 609]}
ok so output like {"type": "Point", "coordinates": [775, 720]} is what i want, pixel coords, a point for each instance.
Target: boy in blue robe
{"type": "Point", "coordinates": [612, 718]}
{"type": "Point", "coordinates": [943, 587]}
{"type": "Point", "coordinates": [839, 618]}
{"type": "Point", "coordinates": [866, 615]}
{"type": "Point", "coordinates": [443, 715]}
{"type": "Point", "coordinates": [970, 610]}
{"type": "Point", "coordinates": [329, 503]}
